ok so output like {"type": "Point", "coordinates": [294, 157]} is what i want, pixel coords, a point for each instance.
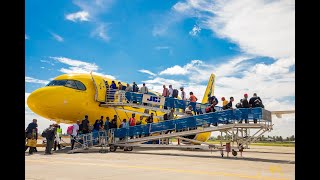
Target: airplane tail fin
{"type": "Point", "coordinates": [210, 89]}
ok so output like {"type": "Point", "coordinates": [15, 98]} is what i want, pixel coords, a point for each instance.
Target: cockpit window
{"type": "Point", "coordinates": [57, 83]}
{"type": "Point", "coordinates": [80, 85]}
{"type": "Point", "coordinates": [71, 84]}
{"type": "Point", "coordinates": [74, 84]}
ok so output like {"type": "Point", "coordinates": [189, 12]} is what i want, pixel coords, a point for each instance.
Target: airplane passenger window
{"type": "Point", "coordinates": [71, 84]}
{"type": "Point", "coordinates": [80, 85]}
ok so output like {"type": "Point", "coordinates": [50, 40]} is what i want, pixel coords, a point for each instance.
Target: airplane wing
{"type": "Point", "coordinates": [279, 113]}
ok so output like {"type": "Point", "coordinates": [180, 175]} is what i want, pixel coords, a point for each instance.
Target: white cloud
{"type": "Point", "coordinates": [101, 33]}
{"type": "Point", "coordinates": [78, 66]}
{"type": "Point", "coordinates": [93, 9]}
{"type": "Point", "coordinates": [26, 36]}
{"type": "Point", "coordinates": [264, 28]}
{"type": "Point", "coordinates": [147, 72]}
{"type": "Point", "coordinates": [78, 16]}
{"type": "Point", "coordinates": [195, 30]}
{"type": "Point", "coordinates": [178, 70]}
{"type": "Point", "coordinates": [57, 37]}
{"type": "Point", "coordinates": [33, 80]}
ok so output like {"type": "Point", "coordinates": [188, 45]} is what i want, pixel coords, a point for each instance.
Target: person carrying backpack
{"type": "Point", "coordinates": [175, 93]}
{"type": "Point", "coordinates": [74, 133]}
{"type": "Point", "coordinates": [49, 134]}
{"type": "Point", "coordinates": [255, 101]}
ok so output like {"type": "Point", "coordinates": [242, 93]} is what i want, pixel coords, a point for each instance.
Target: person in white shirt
{"type": "Point", "coordinates": [144, 89]}
{"type": "Point", "coordinates": [75, 130]}
{"type": "Point", "coordinates": [170, 91]}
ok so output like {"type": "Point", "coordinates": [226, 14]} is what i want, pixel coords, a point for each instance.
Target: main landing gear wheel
{"type": "Point", "coordinates": [113, 148]}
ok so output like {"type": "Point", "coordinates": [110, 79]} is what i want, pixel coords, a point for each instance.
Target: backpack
{"type": "Point", "coordinates": [258, 103]}
{"type": "Point", "coordinates": [175, 93]}
{"type": "Point", "coordinates": [208, 109]}
{"type": "Point", "coordinates": [45, 133]}
{"type": "Point", "coordinates": [70, 130]}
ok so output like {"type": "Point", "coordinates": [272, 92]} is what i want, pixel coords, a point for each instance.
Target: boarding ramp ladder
{"type": "Point", "coordinates": [96, 139]}
{"type": "Point", "coordinates": [223, 121]}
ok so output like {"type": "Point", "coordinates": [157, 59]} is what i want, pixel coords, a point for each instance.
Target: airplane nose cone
{"type": "Point", "coordinates": [38, 101]}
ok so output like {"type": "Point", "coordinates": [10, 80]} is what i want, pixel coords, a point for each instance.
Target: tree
{"type": "Point", "coordinates": [280, 138]}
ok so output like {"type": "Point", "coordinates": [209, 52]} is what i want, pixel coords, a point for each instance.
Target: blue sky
{"type": "Point", "coordinates": [248, 45]}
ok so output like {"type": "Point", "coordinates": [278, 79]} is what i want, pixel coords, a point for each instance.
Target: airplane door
{"type": "Point", "coordinates": [100, 88]}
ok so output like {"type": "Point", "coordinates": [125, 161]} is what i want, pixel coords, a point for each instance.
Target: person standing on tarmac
{"type": "Point", "coordinates": [85, 125]}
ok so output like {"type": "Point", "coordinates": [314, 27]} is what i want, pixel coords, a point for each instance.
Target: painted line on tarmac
{"type": "Point", "coordinates": [165, 169]}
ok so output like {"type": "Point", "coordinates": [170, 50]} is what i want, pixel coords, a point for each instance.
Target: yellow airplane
{"type": "Point", "coordinates": [69, 97]}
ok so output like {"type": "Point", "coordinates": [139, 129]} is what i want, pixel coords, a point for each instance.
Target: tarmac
{"type": "Point", "coordinates": [258, 162]}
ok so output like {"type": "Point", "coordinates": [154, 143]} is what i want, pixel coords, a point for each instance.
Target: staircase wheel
{"type": "Point", "coordinates": [130, 148]}
{"type": "Point", "coordinates": [113, 148]}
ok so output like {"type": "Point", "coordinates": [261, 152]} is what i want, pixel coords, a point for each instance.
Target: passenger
{"type": "Point", "coordinates": [239, 104]}
{"type": "Point", "coordinates": [139, 121]}
{"type": "Point", "coordinates": [32, 127]}
{"type": "Point", "coordinates": [57, 140]}
{"type": "Point", "coordinates": [128, 88]}
{"type": "Point", "coordinates": [229, 105]}
{"type": "Point", "coordinates": [119, 86]}
{"type": "Point", "coordinates": [132, 120]}
{"type": "Point", "coordinates": [113, 85]}
{"type": "Point", "coordinates": [170, 91]}
{"type": "Point", "coordinates": [193, 98]}
{"type": "Point", "coordinates": [255, 101]}
{"type": "Point", "coordinates": [75, 131]}
{"type": "Point", "coordinates": [150, 119]}
{"type": "Point", "coordinates": [165, 92]}
{"type": "Point", "coordinates": [188, 111]}
{"type": "Point", "coordinates": [171, 114]}
{"type": "Point", "coordinates": [106, 84]}
{"type": "Point", "coordinates": [106, 124]}
{"type": "Point", "coordinates": [96, 126]}
{"type": "Point", "coordinates": [224, 103]}
{"type": "Point", "coordinates": [85, 125]}
{"type": "Point", "coordinates": [245, 104]}
{"type": "Point", "coordinates": [124, 124]}
{"type": "Point", "coordinates": [135, 87]}
{"type": "Point", "coordinates": [144, 90]}
{"type": "Point", "coordinates": [183, 94]}
{"type": "Point", "coordinates": [80, 128]}
{"type": "Point", "coordinates": [114, 122]}
{"type": "Point", "coordinates": [50, 134]}
{"type": "Point", "coordinates": [213, 101]}
{"type": "Point", "coordinates": [101, 121]}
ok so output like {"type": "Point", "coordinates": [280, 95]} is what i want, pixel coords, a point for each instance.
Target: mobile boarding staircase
{"type": "Point", "coordinates": [224, 121]}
